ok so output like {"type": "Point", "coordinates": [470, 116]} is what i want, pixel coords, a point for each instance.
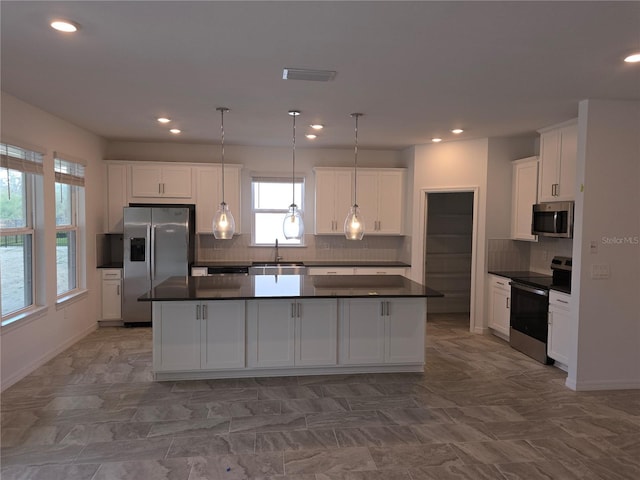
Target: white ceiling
{"type": "Point", "coordinates": [415, 69]}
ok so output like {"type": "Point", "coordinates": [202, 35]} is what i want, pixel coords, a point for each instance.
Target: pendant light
{"type": "Point", "coordinates": [293, 225]}
{"type": "Point", "coordinates": [354, 223]}
{"type": "Point", "coordinates": [224, 226]}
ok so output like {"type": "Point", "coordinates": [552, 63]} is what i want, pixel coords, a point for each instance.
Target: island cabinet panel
{"type": "Point", "coordinates": [405, 327]}
{"type": "Point", "coordinates": [270, 333]}
{"type": "Point", "coordinates": [176, 336]}
{"type": "Point", "coordinates": [191, 336]}
{"type": "Point", "coordinates": [361, 332]}
{"type": "Point", "coordinates": [223, 335]}
{"type": "Point", "coordinates": [316, 332]}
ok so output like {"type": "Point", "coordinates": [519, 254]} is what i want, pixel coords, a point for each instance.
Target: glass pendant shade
{"type": "Point", "coordinates": [293, 225]}
{"type": "Point", "coordinates": [354, 224]}
{"type": "Point", "coordinates": [224, 225]}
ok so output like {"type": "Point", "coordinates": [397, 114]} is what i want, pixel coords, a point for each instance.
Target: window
{"type": "Point", "coordinates": [69, 200]}
{"type": "Point", "coordinates": [270, 202]}
{"type": "Point", "coordinates": [18, 168]}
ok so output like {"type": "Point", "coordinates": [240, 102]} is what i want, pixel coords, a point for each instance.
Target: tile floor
{"type": "Point", "coordinates": [480, 411]}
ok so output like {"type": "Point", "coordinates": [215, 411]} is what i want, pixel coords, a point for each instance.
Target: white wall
{"type": "Point", "coordinates": [606, 349]}
{"type": "Point", "coordinates": [448, 167]}
{"type": "Point", "coordinates": [28, 343]}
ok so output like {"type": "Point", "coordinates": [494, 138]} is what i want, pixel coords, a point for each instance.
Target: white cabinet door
{"type": "Point", "coordinates": [176, 336]}
{"type": "Point", "coordinates": [176, 182]}
{"type": "Point", "coordinates": [499, 304]}
{"type": "Point", "coordinates": [208, 195]}
{"type": "Point", "coordinates": [146, 181]}
{"type": "Point", "coordinates": [390, 202]}
{"type": "Point", "coordinates": [380, 271]}
{"type": "Point", "coordinates": [362, 332]}
{"type": "Point", "coordinates": [368, 199]}
{"type": "Point", "coordinates": [558, 160]}
{"type": "Point", "coordinates": [316, 332]}
{"type": "Point", "coordinates": [405, 329]}
{"type": "Point", "coordinates": [524, 196]}
{"type": "Point", "coordinates": [116, 196]}
{"type": "Point", "coordinates": [270, 333]}
{"type": "Point", "coordinates": [333, 200]}
{"type": "Point", "coordinates": [223, 334]}
{"type": "Point", "coordinates": [568, 163]}
{"type": "Point", "coordinates": [160, 181]}
{"type": "Point", "coordinates": [559, 336]}
{"type": "Point", "coordinates": [331, 271]}
{"type": "Point", "coordinates": [111, 293]}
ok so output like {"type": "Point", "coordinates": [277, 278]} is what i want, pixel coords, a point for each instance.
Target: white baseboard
{"type": "Point", "coordinates": [27, 369]}
{"type": "Point", "coordinates": [621, 384]}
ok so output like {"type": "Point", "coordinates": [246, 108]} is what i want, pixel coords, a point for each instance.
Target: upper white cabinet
{"type": "Point", "coordinates": [524, 196]}
{"type": "Point", "coordinates": [381, 200]}
{"type": "Point", "coordinates": [161, 181]}
{"type": "Point", "coordinates": [208, 195]}
{"type": "Point", "coordinates": [558, 158]}
{"type": "Point", "coordinates": [116, 196]}
{"type": "Point", "coordinates": [334, 197]}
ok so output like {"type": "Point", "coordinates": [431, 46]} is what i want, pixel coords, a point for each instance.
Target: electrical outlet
{"type": "Point", "coordinates": [600, 271]}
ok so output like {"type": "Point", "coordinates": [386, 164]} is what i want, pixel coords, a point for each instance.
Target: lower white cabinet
{"type": "Point", "coordinates": [357, 271]}
{"type": "Point", "coordinates": [191, 336]}
{"type": "Point", "coordinates": [291, 333]}
{"type": "Point", "coordinates": [112, 294]}
{"type": "Point", "coordinates": [499, 305]}
{"type": "Point", "coordinates": [559, 326]}
{"type": "Point", "coordinates": [377, 331]}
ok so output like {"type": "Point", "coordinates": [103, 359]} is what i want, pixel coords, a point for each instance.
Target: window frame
{"type": "Point", "coordinates": [71, 227]}
{"type": "Point", "coordinates": [275, 179]}
{"type": "Point", "coordinates": [27, 161]}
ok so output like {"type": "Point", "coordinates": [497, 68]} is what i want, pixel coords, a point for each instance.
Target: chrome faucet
{"type": "Point", "coordinates": [278, 258]}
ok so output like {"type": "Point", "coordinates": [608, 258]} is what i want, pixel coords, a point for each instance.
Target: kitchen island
{"type": "Point", "coordinates": [227, 326]}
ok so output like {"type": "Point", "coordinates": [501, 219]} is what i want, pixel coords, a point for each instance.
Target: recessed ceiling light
{"type": "Point", "coordinates": [317, 126]}
{"type": "Point", "coordinates": [65, 26]}
{"type": "Point", "coordinates": [436, 140]}
{"type": "Point", "coordinates": [311, 136]}
{"type": "Point", "coordinates": [635, 58]}
{"type": "Point", "coordinates": [175, 131]}
{"type": "Point", "coordinates": [164, 120]}
{"type": "Point", "coordinates": [457, 131]}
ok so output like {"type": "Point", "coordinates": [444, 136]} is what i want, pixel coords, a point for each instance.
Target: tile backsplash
{"type": "Point", "coordinates": [506, 254]}
{"type": "Point", "coordinates": [322, 247]}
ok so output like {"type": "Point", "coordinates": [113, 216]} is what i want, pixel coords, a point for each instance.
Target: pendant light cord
{"type": "Point", "coordinates": [293, 172]}
{"type": "Point", "coordinates": [355, 165]}
{"type": "Point", "coordinates": [222, 110]}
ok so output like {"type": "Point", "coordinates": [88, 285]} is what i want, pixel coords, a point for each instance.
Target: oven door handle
{"type": "Point", "coordinates": [526, 288]}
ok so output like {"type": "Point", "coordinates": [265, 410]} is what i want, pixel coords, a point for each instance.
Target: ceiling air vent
{"type": "Point", "coordinates": [310, 75]}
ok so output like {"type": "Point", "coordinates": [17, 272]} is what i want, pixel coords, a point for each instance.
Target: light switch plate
{"type": "Point", "coordinates": [600, 271]}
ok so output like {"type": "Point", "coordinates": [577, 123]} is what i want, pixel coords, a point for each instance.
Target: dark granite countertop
{"type": "Point", "coordinates": [314, 263]}
{"type": "Point", "coordinates": [545, 279]}
{"type": "Point", "coordinates": [248, 287]}
{"type": "Point", "coordinates": [111, 265]}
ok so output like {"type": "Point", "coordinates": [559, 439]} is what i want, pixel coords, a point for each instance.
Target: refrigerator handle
{"type": "Point", "coordinates": [151, 230]}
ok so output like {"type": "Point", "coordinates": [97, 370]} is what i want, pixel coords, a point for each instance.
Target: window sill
{"type": "Point", "coordinates": [71, 298]}
{"type": "Point", "coordinates": [23, 318]}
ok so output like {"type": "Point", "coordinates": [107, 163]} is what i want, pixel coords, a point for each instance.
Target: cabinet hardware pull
{"type": "Point", "coordinates": [205, 312]}
{"type": "Point", "coordinates": [299, 309]}
{"type": "Point", "coordinates": [163, 188]}
{"type": "Point", "coordinates": [507, 302]}
{"type": "Point", "coordinates": [197, 312]}
{"type": "Point", "coordinates": [562, 301]}
{"type": "Point", "coordinates": [159, 188]}
{"type": "Point", "coordinates": [118, 290]}
{"type": "Point", "coordinates": [500, 283]}
{"type": "Point", "coordinates": [293, 310]}
{"type": "Point", "coordinates": [382, 309]}
{"type": "Point", "coordinates": [388, 309]}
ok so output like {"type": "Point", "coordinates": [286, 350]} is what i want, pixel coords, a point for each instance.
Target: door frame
{"type": "Point", "coordinates": [475, 322]}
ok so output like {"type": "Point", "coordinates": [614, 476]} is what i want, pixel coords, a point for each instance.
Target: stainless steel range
{"type": "Point", "coordinates": [530, 306]}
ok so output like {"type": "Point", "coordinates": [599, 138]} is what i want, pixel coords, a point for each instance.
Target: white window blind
{"type": "Point", "coordinates": [20, 159]}
{"type": "Point", "coordinates": [68, 172]}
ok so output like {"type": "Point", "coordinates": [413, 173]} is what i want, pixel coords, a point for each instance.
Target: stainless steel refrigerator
{"type": "Point", "coordinates": [158, 243]}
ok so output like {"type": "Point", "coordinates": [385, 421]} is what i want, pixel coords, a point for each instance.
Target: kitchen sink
{"type": "Point", "coordinates": [279, 268]}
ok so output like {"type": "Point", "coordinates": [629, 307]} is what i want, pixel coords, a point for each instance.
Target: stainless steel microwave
{"type": "Point", "coordinates": [553, 219]}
